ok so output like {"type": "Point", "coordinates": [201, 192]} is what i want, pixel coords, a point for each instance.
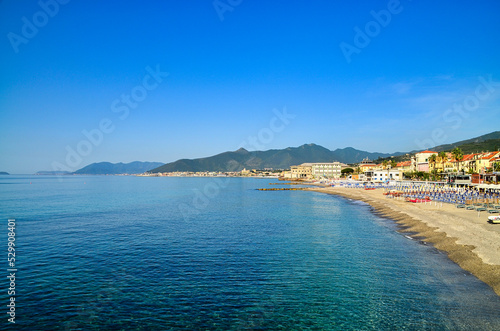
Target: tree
{"type": "Point", "coordinates": [420, 174]}
{"type": "Point", "coordinates": [432, 161]}
{"type": "Point", "coordinates": [442, 158]}
{"type": "Point", "coordinates": [346, 171]}
{"type": "Point", "coordinates": [408, 174]}
{"type": "Point", "coordinates": [394, 164]}
{"type": "Point", "coordinates": [458, 155]}
{"type": "Point", "coordinates": [384, 164]}
{"type": "Point", "coordinates": [434, 174]}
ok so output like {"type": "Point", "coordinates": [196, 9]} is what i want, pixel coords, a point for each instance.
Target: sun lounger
{"type": "Point", "coordinates": [460, 206]}
{"type": "Point", "coordinates": [493, 211]}
{"type": "Point", "coordinates": [470, 208]}
{"type": "Point", "coordinates": [481, 209]}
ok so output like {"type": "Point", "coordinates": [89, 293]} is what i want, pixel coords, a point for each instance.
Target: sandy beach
{"type": "Point", "coordinates": [464, 235]}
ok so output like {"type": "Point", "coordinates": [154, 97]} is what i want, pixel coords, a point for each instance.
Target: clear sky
{"type": "Point", "coordinates": [381, 76]}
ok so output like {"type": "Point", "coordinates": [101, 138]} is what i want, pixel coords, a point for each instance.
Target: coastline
{"type": "Point", "coordinates": [467, 239]}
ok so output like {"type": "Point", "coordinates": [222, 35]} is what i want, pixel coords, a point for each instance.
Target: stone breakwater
{"type": "Point", "coordinates": [465, 236]}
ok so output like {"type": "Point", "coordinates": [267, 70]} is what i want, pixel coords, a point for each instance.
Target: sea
{"type": "Point", "coordinates": [171, 253]}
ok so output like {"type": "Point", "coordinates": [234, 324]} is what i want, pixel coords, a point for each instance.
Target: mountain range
{"type": "Point", "coordinates": [274, 158]}
{"type": "Point", "coordinates": [107, 168]}
{"type": "Point", "coordinates": [284, 158]}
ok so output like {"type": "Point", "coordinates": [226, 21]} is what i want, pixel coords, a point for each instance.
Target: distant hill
{"type": "Point", "coordinates": [53, 173]}
{"type": "Point", "coordinates": [487, 142]}
{"type": "Point", "coordinates": [274, 158]}
{"type": "Point", "coordinates": [478, 147]}
{"type": "Point", "coordinates": [107, 168]}
{"type": "Point", "coordinates": [351, 155]}
{"type": "Point", "coordinates": [4, 173]}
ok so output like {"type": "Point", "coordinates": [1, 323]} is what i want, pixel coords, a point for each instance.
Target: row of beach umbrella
{"type": "Point", "coordinates": [434, 191]}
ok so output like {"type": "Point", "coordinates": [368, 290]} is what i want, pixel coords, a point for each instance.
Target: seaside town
{"type": "Point", "coordinates": [453, 167]}
{"type": "Point", "coordinates": [441, 167]}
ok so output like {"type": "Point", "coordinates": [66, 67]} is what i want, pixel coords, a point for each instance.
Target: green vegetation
{"type": "Point", "coordinates": [487, 142]}
{"type": "Point", "coordinates": [457, 154]}
{"type": "Point", "coordinates": [433, 159]}
{"type": "Point", "coordinates": [478, 147]}
{"type": "Point", "coordinates": [434, 175]}
{"type": "Point", "coordinates": [418, 175]}
{"type": "Point", "coordinates": [275, 159]}
{"type": "Point", "coordinates": [396, 158]}
{"type": "Point", "coordinates": [346, 171]}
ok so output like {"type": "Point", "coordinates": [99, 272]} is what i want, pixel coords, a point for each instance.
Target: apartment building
{"type": "Point", "coordinates": [326, 170]}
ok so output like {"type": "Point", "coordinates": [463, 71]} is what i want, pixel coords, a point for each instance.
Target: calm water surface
{"type": "Point", "coordinates": [112, 252]}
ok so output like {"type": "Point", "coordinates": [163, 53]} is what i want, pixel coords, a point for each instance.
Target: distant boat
{"type": "Point", "coordinates": [494, 219]}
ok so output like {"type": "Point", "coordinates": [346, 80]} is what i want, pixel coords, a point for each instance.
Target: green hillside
{"type": "Point", "coordinates": [478, 147]}
{"type": "Point", "coordinates": [487, 142]}
{"type": "Point", "coordinates": [274, 158]}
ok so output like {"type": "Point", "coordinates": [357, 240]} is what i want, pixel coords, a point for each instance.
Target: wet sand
{"type": "Point", "coordinates": [464, 235]}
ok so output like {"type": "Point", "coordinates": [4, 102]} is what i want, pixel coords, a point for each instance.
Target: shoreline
{"type": "Point", "coordinates": [468, 240]}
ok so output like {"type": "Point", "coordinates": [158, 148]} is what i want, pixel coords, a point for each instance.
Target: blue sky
{"type": "Point", "coordinates": [419, 72]}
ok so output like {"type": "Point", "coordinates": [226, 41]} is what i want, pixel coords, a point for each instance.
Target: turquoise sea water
{"type": "Point", "coordinates": [111, 252]}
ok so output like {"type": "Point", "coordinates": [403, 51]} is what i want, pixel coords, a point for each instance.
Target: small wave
{"type": "Point", "coordinates": [358, 202]}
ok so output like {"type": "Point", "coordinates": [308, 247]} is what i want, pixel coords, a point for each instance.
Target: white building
{"type": "Point", "coordinates": [385, 175]}
{"type": "Point", "coordinates": [326, 170]}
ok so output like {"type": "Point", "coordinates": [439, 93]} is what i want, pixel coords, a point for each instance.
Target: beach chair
{"type": "Point", "coordinates": [460, 206]}
{"type": "Point", "coordinates": [481, 209]}
{"type": "Point", "coordinates": [470, 208]}
{"type": "Point", "coordinates": [493, 211]}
